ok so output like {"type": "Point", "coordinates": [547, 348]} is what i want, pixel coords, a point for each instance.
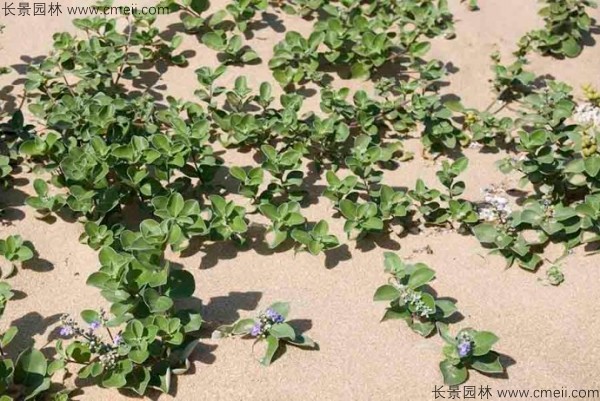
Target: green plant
{"type": "Point", "coordinates": [250, 180]}
{"type": "Point", "coordinates": [566, 22]}
{"type": "Point", "coordinates": [470, 349]}
{"type": "Point", "coordinates": [555, 276]}
{"type": "Point", "coordinates": [296, 59]}
{"type": "Point", "coordinates": [283, 219]}
{"type": "Point", "coordinates": [29, 376]}
{"type": "Point", "coordinates": [360, 217]}
{"type": "Point", "coordinates": [316, 239]}
{"type": "Point", "coordinates": [227, 219]}
{"type": "Point", "coordinates": [360, 39]}
{"type": "Point", "coordinates": [96, 235]}
{"type": "Point", "coordinates": [442, 208]}
{"type": "Point", "coordinates": [15, 251]}
{"type": "Point", "coordinates": [304, 8]}
{"type": "Point", "coordinates": [13, 133]}
{"type": "Point", "coordinates": [149, 336]}
{"type": "Point", "coordinates": [410, 298]}
{"type": "Point", "coordinates": [472, 4]}
{"type": "Point", "coordinates": [5, 295]}
{"type": "Point", "coordinates": [217, 30]}
{"type": "Point", "coordinates": [284, 166]}
{"type": "Point", "coordinates": [43, 203]}
{"type": "Point", "coordinates": [243, 11]}
{"type": "Point", "coordinates": [510, 81]}
{"type": "Point", "coordinates": [232, 49]}
{"type": "Point", "coordinates": [485, 127]}
{"type": "Point", "coordinates": [269, 326]}
{"type": "Point", "coordinates": [144, 354]}
{"type": "Point", "coordinates": [109, 148]}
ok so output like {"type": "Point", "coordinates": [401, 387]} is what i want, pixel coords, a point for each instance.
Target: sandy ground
{"type": "Point", "coordinates": [548, 334]}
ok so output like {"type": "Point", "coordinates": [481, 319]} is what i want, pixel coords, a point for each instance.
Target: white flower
{"type": "Point", "coordinates": [487, 214]}
{"type": "Point", "coordinates": [501, 201]}
{"type": "Point", "coordinates": [587, 113]}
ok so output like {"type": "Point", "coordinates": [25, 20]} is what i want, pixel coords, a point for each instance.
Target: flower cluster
{"type": "Point", "coordinates": [465, 344]}
{"type": "Point", "coordinates": [265, 321]}
{"type": "Point", "coordinates": [414, 298]}
{"type": "Point", "coordinates": [496, 207]}
{"type": "Point", "coordinates": [107, 352]}
{"type": "Point", "coordinates": [587, 114]}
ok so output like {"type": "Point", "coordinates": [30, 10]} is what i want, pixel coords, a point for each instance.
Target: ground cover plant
{"type": "Point", "coordinates": [269, 326]}
{"type": "Point", "coordinates": [409, 297]}
{"type": "Point", "coordinates": [566, 23]}
{"type": "Point", "coordinates": [99, 147]}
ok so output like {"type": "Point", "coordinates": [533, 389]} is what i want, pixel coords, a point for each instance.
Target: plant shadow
{"type": "Point", "coordinates": [30, 325]}
{"type": "Point", "coordinates": [507, 362]}
{"type": "Point", "coordinates": [226, 309]}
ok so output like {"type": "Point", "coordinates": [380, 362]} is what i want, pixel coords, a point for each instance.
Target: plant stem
{"type": "Point", "coordinates": [122, 67]}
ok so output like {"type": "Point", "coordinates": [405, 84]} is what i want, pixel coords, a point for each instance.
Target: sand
{"type": "Point", "coordinates": [548, 334]}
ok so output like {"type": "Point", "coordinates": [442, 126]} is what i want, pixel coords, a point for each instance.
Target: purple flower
{"type": "Point", "coordinates": [66, 331]}
{"type": "Point", "coordinates": [274, 316]}
{"type": "Point", "coordinates": [256, 329]}
{"type": "Point", "coordinates": [117, 340]}
{"type": "Point", "coordinates": [464, 348]}
{"type": "Point", "coordinates": [95, 325]}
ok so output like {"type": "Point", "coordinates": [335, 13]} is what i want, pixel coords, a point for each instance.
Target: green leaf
{"type": "Point", "coordinates": [386, 293]}
{"type": "Point", "coordinates": [269, 211]}
{"type": "Point", "coordinates": [454, 105]}
{"type": "Point", "coordinates": [486, 233]}
{"type": "Point", "coordinates": [156, 302]}
{"type": "Point", "coordinates": [360, 71]}
{"type": "Point", "coordinates": [199, 6]}
{"type": "Point", "coordinates": [276, 238]}
{"type": "Point", "coordinates": [420, 276]}
{"type": "Point", "coordinates": [453, 375]}
{"type": "Point", "coordinates": [423, 328]}
{"type": "Point", "coordinates": [489, 363]}
{"type": "Point", "coordinates": [392, 262]}
{"type": "Point", "coordinates": [348, 209]}
{"type": "Point", "coordinates": [175, 204]}
{"type": "Point", "coordinates": [90, 316]}
{"type": "Point", "coordinates": [283, 330]}
{"type": "Point", "coordinates": [272, 346]}
{"type": "Point", "coordinates": [484, 341]}
{"type": "Point", "coordinates": [243, 326]}
{"type": "Point", "coordinates": [373, 223]}
{"type": "Point", "coordinates": [571, 48]}
{"type": "Point", "coordinates": [24, 253]}
{"type": "Point", "coordinates": [303, 341]}
{"type": "Point", "coordinates": [301, 237]}
{"type": "Point", "coordinates": [8, 336]}
{"type": "Point", "coordinates": [592, 165]}
{"type": "Point", "coordinates": [419, 49]}
{"type": "Point", "coordinates": [31, 368]}
{"type": "Point", "coordinates": [214, 41]}
{"type": "Point", "coordinates": [447, 307]}
{"type": "Point", "coordinates": [283, 308]}
{"type": "Point", "coordinates": [78, 352]}
{"type": "Point", "coordinates": [40, 186]}
{"type": "Point", "coordinates": [238, 173]}
{"type": "Point", "coordinates": [445, 333]}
